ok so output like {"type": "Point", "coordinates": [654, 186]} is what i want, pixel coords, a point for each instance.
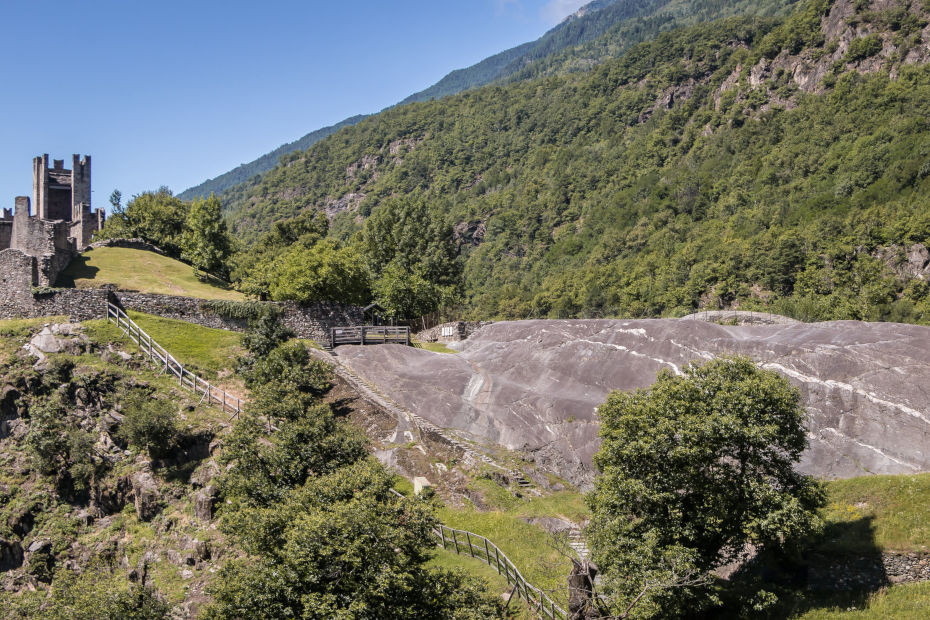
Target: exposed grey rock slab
{"type": "Point", "coordinates": [535, 385]}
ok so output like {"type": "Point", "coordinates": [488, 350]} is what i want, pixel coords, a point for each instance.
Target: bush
{"type": "Point", "coordinates": [59, 448]}
{"type": "Point", "coordinates": [149, 424]}
{"type": "Point", "coordinates": [864, 47]}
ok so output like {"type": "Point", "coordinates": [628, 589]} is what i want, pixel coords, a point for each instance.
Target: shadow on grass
{"type": "Point", "coordinates": [342, 407]}
{"type": "Point", "coordinates": [841, 569]}
{"type": "Point", "coordinates": [77, 269]}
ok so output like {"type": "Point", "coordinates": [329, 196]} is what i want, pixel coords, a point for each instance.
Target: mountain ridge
{"type": "Point", "coordinates": [608, 192]}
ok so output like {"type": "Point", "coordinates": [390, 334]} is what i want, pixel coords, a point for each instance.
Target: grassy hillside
{"type": "Point", "coordinates": [863, 516]}
{"type": "Point", "coordinates": [208, 352]}
{"type": "Point", "coordinates": [139, 270]}
{"type": "Point", "coordinates": [690, 173]}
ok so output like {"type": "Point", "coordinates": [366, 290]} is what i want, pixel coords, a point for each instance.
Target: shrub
{"type": "Point", "coordinates": [864, 47]}
{"type": "Point", "coordinates": [149, 424]}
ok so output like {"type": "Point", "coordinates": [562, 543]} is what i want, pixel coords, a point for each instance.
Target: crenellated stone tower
{"type": "Point", "coordinates": [62, 225]}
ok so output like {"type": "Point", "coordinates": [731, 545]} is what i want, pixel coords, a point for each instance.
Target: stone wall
{"type": "Point", "coordinates": [18, 301]}
{"type": "Point", "coordinates": [312, 321]}
{"type": "Point", "coordinates": [6, 234]}
{"type": "Point", "coordinates": [868, 570]}
{"type": "Point", "coordinates": [135, 244]}
{"type": "Point", "coordinates": [460, 331]}
{"type": "Point", "coordinates": [16, 272]}
{"type": "Point", "coordinates": [48, 241]}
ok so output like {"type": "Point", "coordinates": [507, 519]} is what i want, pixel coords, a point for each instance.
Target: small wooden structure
{"type": "Point", "coordinates": [369, 334]}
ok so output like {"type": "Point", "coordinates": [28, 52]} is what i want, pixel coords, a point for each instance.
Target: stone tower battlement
{"type": "Point", "coordinates": [63, 224]}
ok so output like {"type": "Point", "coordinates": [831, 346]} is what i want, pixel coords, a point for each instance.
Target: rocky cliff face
{"type": "Point", "coordinates": [535, 385]}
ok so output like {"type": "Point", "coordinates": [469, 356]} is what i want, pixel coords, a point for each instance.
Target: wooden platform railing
{"type": "Point", "coordinates": [211, 394]}
{"type": "Point", "coordinates": [369, 334]}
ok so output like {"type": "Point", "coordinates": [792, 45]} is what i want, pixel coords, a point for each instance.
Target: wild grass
{"type": "Point", "coordinates": [885, 512]}
{"type": "Point", "coordinates": [435, 347]}
{"type": "Point", "coordinates": [139, 270]}
{"type": "Point", "coordinates": [205, 351]}
{"type": "Point", "coordinates": [902, 602]}
{"type": "Point", "coordinates": [537, 555]}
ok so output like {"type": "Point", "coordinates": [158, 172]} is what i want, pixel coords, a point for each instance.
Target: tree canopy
{"type": "Point", "coordinates": [691, 472]}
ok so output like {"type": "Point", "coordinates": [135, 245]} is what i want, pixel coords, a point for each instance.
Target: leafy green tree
{"type": "Point", "coordinates": [326, 271]}
{"type": "Point", "coordinates": [692, 471]}
{"type": "Point", "coordinates": [116, 202]}
{"type": "Point", "coordinates": [342, 546]}
{"type": "Point", "coordinates": [157, 217]}
{"type": "Point", "coordinates": [205, 241]}
{"type": "Point", "coordinates": [265, 333]}
{"type": "Point", "coordinates": [412, 257]}
{"type": "Point", "coordinates": [96, 594]}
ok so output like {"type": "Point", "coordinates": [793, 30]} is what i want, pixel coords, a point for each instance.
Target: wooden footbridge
{"type": "Point", "coordinates": [369, 334]}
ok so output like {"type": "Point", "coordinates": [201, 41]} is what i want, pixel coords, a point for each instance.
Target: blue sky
{"type": "Point", "coordinates": [172, 93]}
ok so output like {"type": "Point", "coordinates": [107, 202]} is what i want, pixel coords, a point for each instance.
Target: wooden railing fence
{"type": "Point", "coordinates": [369, 334]}
{"type": "Point", "coordinates": [211, 394]}
{"type": "Point", "coordinates": [479, 547]}
{"type": "Point", "coordinates": [483, 549]}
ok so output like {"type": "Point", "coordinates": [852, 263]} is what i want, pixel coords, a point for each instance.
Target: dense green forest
{"type": "Point", "coordinates": [604, 30]}
{"type": "Point", "coordinates": [692, 172]}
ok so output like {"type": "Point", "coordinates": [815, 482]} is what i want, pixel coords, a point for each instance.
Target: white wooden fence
{"type": "Point", "coordinates": [212, 395]}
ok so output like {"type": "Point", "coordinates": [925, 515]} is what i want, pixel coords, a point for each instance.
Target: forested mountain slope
{"type": "Point", "coordinates": [266, 162]}
{"type": "Point", "coordinates": [746, 162]}
{"type": "Point", "coordinates": [601, 29]}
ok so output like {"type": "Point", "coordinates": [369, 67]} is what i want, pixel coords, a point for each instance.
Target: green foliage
{"type": "Point", "coordinates": [289, 370]}
{"type": "Point", "coordinates": [251, 310]}
{"type": "Point", "coordinates": [325, 537]}
{"type": "Point", "coordinates": [60, 449]}
{"type": "Point", "coordinates": [149, 423]}
{"type": "Point", "coordinates": [596, 200]}
{"type": "Point", "coordinates": [864, 47]}
{"type": "Point", "coordinates": [157, 217]}
{"type": "Point", "coordinates": [295, 262]}
{"type": "Point", "coordinates": [265, 333]}
{"type": "Point", "coordinates": [206, 243]}
{"type": "Point", "coordinates": [264, 469]}
{"type": "Point", "coordinates": [692, 471]}
{"type": "Point", "coordinates": [96, 594]}
{"type": "Point", "coordinates": [412, 258]}
{"type": "Point", "coordinates": [341, 546]}
{"type": "Point", "coordinates": [326, 271]}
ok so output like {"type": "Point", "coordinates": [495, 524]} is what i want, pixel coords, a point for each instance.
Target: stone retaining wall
{"type": "Point", "coordinates": [313, 321]}
{"type": "Point", "coordinates": [867, 571]}
{"type": "Point", "coordinates": [19, 301]}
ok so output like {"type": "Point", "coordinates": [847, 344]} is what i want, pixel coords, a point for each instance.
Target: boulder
{"type": "Point", "coordinates": [203, 502]}
{"type": "Point", "coordinates": [110, 497]}
{"type": "Point", "coordinates": [147, 496]}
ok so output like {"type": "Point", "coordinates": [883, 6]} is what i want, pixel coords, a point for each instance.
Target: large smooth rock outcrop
{"type": "Point", "coordinates": [535, 385]}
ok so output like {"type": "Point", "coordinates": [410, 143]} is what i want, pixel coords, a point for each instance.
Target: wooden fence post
{"type": "Point", "coordinates": [455, 540]}
{"type": "Point", "coordinates": [470, 549]}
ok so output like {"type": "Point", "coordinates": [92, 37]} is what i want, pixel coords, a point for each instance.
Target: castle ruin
{"type": "Point", "coordinates": [35, 248]}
